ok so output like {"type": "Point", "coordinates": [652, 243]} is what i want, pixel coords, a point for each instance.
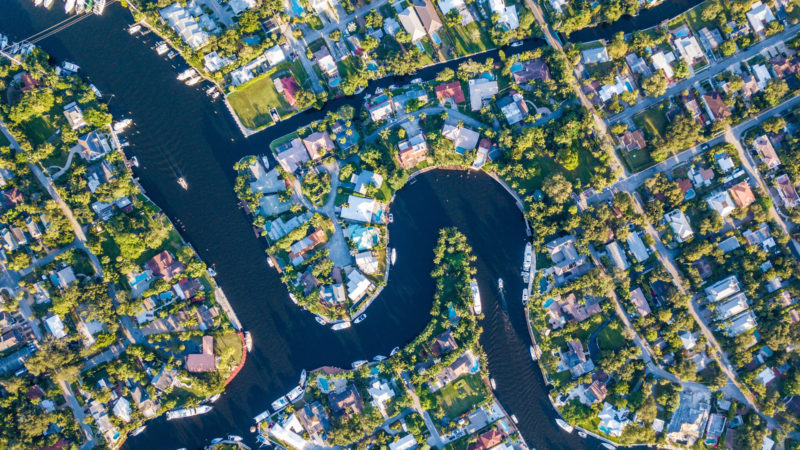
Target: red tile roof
{"type": "Point", "coordinates": [451, 90]}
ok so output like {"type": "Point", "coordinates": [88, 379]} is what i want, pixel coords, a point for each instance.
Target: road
{"type": "Point", "coordinates": [713, 69]}
{"type": "Point", "coordinates": [77, 411]}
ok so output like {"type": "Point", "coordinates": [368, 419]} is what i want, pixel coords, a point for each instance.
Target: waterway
{"type": "Point", "coordinates": [178, 131]}
{"type": "Point", "coordinates": [646, 18]}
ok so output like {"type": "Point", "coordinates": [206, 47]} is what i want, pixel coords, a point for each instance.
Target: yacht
{"type": "Point", "coordinates": [280, 403]}
{"type": "Point", "coordinates": [135, 28]}
{"type": "Point", "coordinates": [514, 418]}
{"type": "Point", "coordinates": [303, 376]}
{"type": "Point", "coordinates": [341, 325]}
{"type": "Point", "coordinates": [526, 264]}
{"type": "Point", "coordinates": [70, 67]}
{"type": "Point", "coordinates": [533, 354]}
{"type": "Point", "coordinates": [248, 340]}
{"type": "Point", "coordinates": [162, 48]}
{"type": "Point", "coordinates": [564, 425]}
{"type": "Point", "coordinates": [359, 363]}
{"type": "Point", "coordinates": [259, 418]}
{"type": "Point", "coordinates": [378, 358]}
{"type": "Point", "coordinates": [234, 438]}
{"type": "Point", "coordinates": [216, 441]}
{"type": "Point", "coordinates": [295, 394]}
{"type": "Point", "coordinates": [500, 284]}
{"type": "Point", "coordinates": [320, 320]}
{"type": "Point", "coordinates": [120, 126]}
{"type": "Point", "coordinates": [37, 3]}
{"type": "Point", "coordinates": [360, 318]}
{"type": "Point", "coordinates": [138, 431]}
{"type": "Point", "coordinates": [476, 297]}
{"type": "Point", "coordinates": [394, 256]}
{"type": "Point", "coordinates": [608, 446]}
{"type": "Point", "coordinates": [525, 297]}
{"type": "Point", "coordinates": [215, 94]}
{"type": "Point", "coordinates": [188, 412]}
{"type": "Point", "coordinates": [135, 161]}
{"type": "Point", "coordinates": [213, 398]}
{"type": "Point", "coordinates": [186, 74]}
{"type": "Point", "coordinates": [394, 351]}
{"type": "Point", "coordinates": [494, 385]}
{"type": "Point", "coordinates": [80, 6]}
{"type": "Point", "coordinates": [390, 217]}
{"type": "Point", "coordinates": [182, 182]}
{"type": "Point", "coordinates": [48, 3]}
{"type": "Point", "coordinates": [194, 80]}
{"type": "Point", "coordinates": [69, 6]}
{"type": "Point", "coordinates": [98, 7]}
{"type": "Point", "coordinates": [96, 91]}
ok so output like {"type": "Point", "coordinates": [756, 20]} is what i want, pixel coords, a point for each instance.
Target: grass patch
{"type": "Point", "coordinates": [610, 337]}
{"type": "Point", "coordinates": [469, 39]}
{"type": "Point", "coordinates": [637, 159]}
{"type": "Point", "coordinates": [228, 347]}
{"type": "Point", "coordinates": [282, 140]}
{"type": "Point", "coordinates": [547, 166]}
{"type": "Point", "coordinates": [38, 130]}
{"type": "Point", "coordinates": [348, 66]}
{"type": "Point", "coordinates": [253, 103]}
{"type": "Point", "coordinates": [652, 121]}
{"type": "Point", "coordinates": [696, 22]}
{"type": "Point", "coordinates": [462, 395]}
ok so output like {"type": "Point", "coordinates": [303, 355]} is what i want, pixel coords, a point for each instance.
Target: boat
{"type": "Point", "coordinates": [494, 385]}
{"type": "Point", "coordinates": [390, 217]}
{"type": "Point", "coordinates": [516, 44]}
{"type": "Point", "coordinates": [394, 351]}
{"type": "Point", "coordinates": [341, 325]}
{"type": "Point", "coordinates": [80, 6]}
{"type": "Point", "coordinates": [186, 74]}
{"type": "Point", "coordinates": [533, 354]}
{"type": "Point", "coordinates": [526, 263]}
{"type": "Point", "coordinates": [70, 67]}
{"type": "Point", "coordinates": [248, 341]}
{"type": "Point", "coordinates": [194, 80]}
{"type": "Point", "coordinates": [48, 3]}
{"type": "Point", "coordinates": [293, 298]}
{"type": "Point", "coordinates": [135, 162]}
{"type": "Point", "coordinates": [182, 182]}
{"type": "Point", "coordinates": [582, 434]}
{"type": "Point", "coordinates": [272, 264]}
{"type": "Point", "coordinates": [394, 256]}
{"type": "Point", "coordinates": [98, 7]}
{"type": "Point", "coordinates": [96, 91]}
{"type": "Point", "coordinates": [171, 54]}
{"type": "Point", "coordinates": [69, 6]}
{"type": "Point", "coordinates": [514, 418]}
{"type": "Point", "coordinates": [259, 418]}
{"type": "Point", "coordinates": [37, 3]}
{"type": "Point", "coordinates": [216, 441]}
{"type": "Point", "coordinates": [187, 412]}
{"type": "Point", "coordinates": [162, 48]}
{"type": "Point", "coordinates": [360, 318]}
{"type": "Point", "coordinates": [210, 270]}
{"type": "Point", "coordinates": [500, 284]}
{"type": "Point", "coordinates": [280, 403]}
{"type": "Point", "coordinates": [215, 94]}
{"type": "Point", "coordinates": [213, 398]}
{"type": "Point", "coordinates": [608, 446]}
{"type": "Point", "coordinates": [135, 28]}
{"type": "Point", "coordinates": [359, 363]}
{"type": "Point", "coordinates": [564, 425]}
{"type": "Point", "coordinates": [476, 297]}
{"type": "Point", "coordinates": [234, 438]}
{"type": "Point", "coordinates": [138, 431]}
{"type": "Point", "coordinates": [378, 358]}
{"type": "Point", "coordinates": [524, 296]}
{"type": "Point", "coordinates": [120, 126]}
{"type": "Point", "coordinates": [295, 394]}
{"type": "Point", "coordinates": [303, 377]}
{"type": "Point", "coordinates": [320, 320]}
{"type": "Point", "coordinates": [211, 90]}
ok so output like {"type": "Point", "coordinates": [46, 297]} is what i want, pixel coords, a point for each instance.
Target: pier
{"type": "Point", "coordinates": [226, 306]}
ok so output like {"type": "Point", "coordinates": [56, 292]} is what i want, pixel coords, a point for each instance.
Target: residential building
{"type": "Point", "coordinates": [506, 15]}
{"type": "Point", "coordinates": [764, 147]}
{"type": "Point", "coordinates": [346, 403]}
{"type": "Point", "coordinates": [575, 360]}
{"type": "Point", "coordinates": [715, 106]}
{"type": "Point", "coordinates": [287, 87]}
{"type": "Point", "coordinates": [315, 421]}
{"type": "Point", "coordinates": [762, 75]}
{"type": "Point", "coordinates": [524, 72]}
{"type": "Point", "coordinates": [617, 255]}
{"type": "Point", "coordinates": [742, 323]}
{"type": "Point", "coordinates": [464, 139]}
{"type": "Point", "coordinates": [74, 116]}
{"type": "Point", "coordinates": [360, 209]}
{"type": "Point", "coordinates": [326, 63]}
{"type": "Point", "coordinates": [184, 25]}
{"type": "Point", "coordinates": [722, 289]}
{"type": "Point", "coordinates": [612, 421]}
{"type": "Point", "coordinates": [689, 49]}
{"type": "Point", "coordinates": [428, 16]}
{"type": "Point", "coordinates": [567, 262]}
{"type": "Point", "coordinates": [640, 302]}
{"type": "Point", "coordinates": [318, 144]}
{"type": "Point", "coordinates": [122, 409]}
{"type": "Point", "coordinates": [443, 344]}
{"type": "Point", "coordinates": [633, 140]}
{"type": "Point", "coordinates": [680, 225]}
{"type": "Point", "coordinates": [637, 247]}
{"type": "Point", "coordinates": [93, 146]}
{"type": "Point", "coordinates": [759, 15]}
{"type": "Point", "coordinates": [365, 178]}
{"type": "Point", "coordinates": [357, 284]}
{"type": "Point", "coordinates": [760, 236]}
{"type": "Point", "coordinates": [663, 61]}
{"type": "Point", "coordinates": [734, 305]}
{"type": "Point", "coordinates": [411, 23]}
{"type": "Point", "coordinates": [513, 107]}
{"type": "Point", "coordinates": [381, 393]}
{"type": "Point", "coordinates": [709, 39]}
{"type": "Point", "coordinates": [722, 203]}
{"type": "Point", "coordinates": [689, 421]}
{"type": "Point", "coordinates": [595, 55]}
{"type": "Point", "coordinates": [407, 442]}
{"type": "Point", "coordinates": [787, 191]}
{"type": "Point", "coordinates": [608, 91]}
{"type": "Point", "coordinates": [742, 195]}
{"type": "Point", "coordinates": [637, 65]}
{"type": "Point", "coordinates": [380, 108]}
{"type": "Point", "coordinates": [450, 92]}
{"type": "Point", "coordinates": [558, 5]}
{"type": "Point", "coordinates": [55, 326]}
{"type": "Point", "coordinates": [480, 89]}
{"type": "Point", "coordinates": [204, 361]}
{"type": "Point", "coordinates": [448, 5]}
{"type": "Point", "coordinates": [213, 62]}
{"type": "Point", "coordinates": [412, 151]}
{"type": "Point", "coordinates": [272, 205]}
{"type": "Point", "coordinates": [63, 278]}
{"type": "Point", "coordinates": [367, 262]}
{"type": "Point", "coordinates": [292, 155]}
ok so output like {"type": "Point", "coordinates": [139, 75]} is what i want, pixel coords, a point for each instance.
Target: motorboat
{"type": "Point", "coordinates": [533, 354]}
{"type": "Point", "coordinates": [390, 217]}
{"type": "Point", "coordinates": [514, 418]}
{"type": "Point", "coordinates": [96, 91]}
{"type": "Point", "coordinates": [280, 403]}
{"type": "Point", "coordinates": [248, 341]}
{"type": "Point", "coordinates": [138, 431]}
{"type": "Point", "coordinates": [341, 325]}
{"type": "Point", "coordinates": [295, 394]}
{"type": "Point", "coordinates": [234, 438]}
{"type": "Point", "coordinates": [216, 441]}
{"type": "Point", "coordinates": [359, 363]}
{"type": "Point", "coordinates": [360, 318]}
{"type": "Point", "coordinates": [476, 297]}
{"type": "Point", "coordinates": [182, 182]}
{"type": "Point", "coordinates": [516, 44]}
{"type": "Point", "coordinates": [378, 358]}
{"type": "Point", "coordinates": [609, 446]}
{"type": "Point", "coordinates": [213, 398]}
{"type": "Point", "coordinates": [70, 67]}
{"type": "Point", "coordinates": [187, 412]}
{"type": "Point", "coordinates": [123, 124]}
{"type": "Point", "coordinates": [135, 28]}
{"type": "Point", "coordinates": [48, 3]}
{"type": "Point", "coordinates": [394, 351]}
{"type": "Point", "coordinates": [500, 284]}
{"type": "Point", "coordinates": [320, 320]}
{"type": "Point", "coordinates": [526, 263]}
{"type": "Point", "coordinates": [162, 48]}
{"type": "Point", "coordinates": [303, 377]}
{"type": "Point", "coordinates": [194, 80]}
{"type": "Point", "coordinates": [80, 6]}
{"type": "Point", "coordinates": [186, 74]}
{"type": "Point", "coordinates": [494, 385]}
{"type": "Point", "coordinates": [135, 161]}
{"type": "Point", "coordinates": [525, 297]}
{"type": "Point", "coordinates": [37, 2]}
{"type": "Point", "coordinates": [98, 7]}
{"type": "Point", "coordinates": [259, 418]}
{"type": "Point", "coordinates": [69, 6]}
{"type": "Point", "coordinates": [582, 434]}
{"type": "Point", "coordinates": [394, 256]}
{"type": "Point", "coordinates": [564, 425]}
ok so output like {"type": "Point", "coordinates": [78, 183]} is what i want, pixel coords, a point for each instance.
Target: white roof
{"type": "Point", "coordinates": [463, 138]}
{"type": "Point", "coordinates": [762, 75]}
{"type": "Point", "coordinates": [661, 61]}
{"type": "Point", "coordinates": [722, 289]}
{"type": "Point", "coordinates": [122, 409]}
{"type": "Point", "coordinates": [480, 89]}
{"type": "Point", "coordinates": [608, 90]}
{"type": "Point", "coordinates": [367, 262]}
{"type": "Point", "coordinates": [275, 55]}
{"type": "Point", "coordinates": [759, 15]}
{"type": "Point", "coordinates": [241, 5]}
{"type": "Point", "coordinates": [617, 255]}
{"type": "Point", "coordinates": [213, 62]}
{"type": "Point", "coordinates": [404, 443]}
{"type": "Point", "coordinates": [55, 326]}
{"type": "Point", "coordinates": [722, 203]}
{"type": "Point", "coordinates": [380, 391]}
{"type": "Point", "coordinates": [595, 55]}
{"type": "Point", "coordinates": [637, 247]}
{"type": "Point", "coordinates": [689, 49]}
{"type": "Point", "coordinates": [742, 323]}
{"type": "Point", "coordinates": [408, 17]}
{"type": "Point", "coordinates": [185, 25]}
{"type": "Point", "coordinates": [736, 304]}
{"type": "Point", "coordinates": [359, 209]}
{"type": "Point", "coordinates": [680, 224]}
{"type": "Point", "coordinates": [558, 4]}
{"type": "Point", "coordinates": [357, 285]}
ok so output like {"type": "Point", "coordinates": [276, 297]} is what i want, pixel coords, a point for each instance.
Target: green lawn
{"type": "Point", "coordinates": [696, 22]}
{"type": "Point", "coordinates": [462, 395]}
{"type": "Point", "coordinates": [348, 66]}
{"type": "Point", "coordinates": [38, 130]}
{"type": "Point", "coordinates": [469, 39]}
{"type": "Point", "coordinates": [546, 166]}
{"type": "Point", "coordinates": [637, 160]}
{"type": "Point", "coordinates": [282, 140]}
{"type": "Point", "coordinates": [253, 102]}
{"type": "Point", "coordinates": [652, 121]}
{"type": "Point", "coordinates": [610, 337]}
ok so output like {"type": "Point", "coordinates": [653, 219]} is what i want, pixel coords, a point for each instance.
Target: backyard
{"type": "Point", "coordinates": [610, 337]}
{"type": "Point", "coordinates": [462, 395]}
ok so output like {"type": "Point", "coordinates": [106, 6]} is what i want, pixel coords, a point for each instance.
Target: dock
{"type": "Point", "coordinates": [226, 306]}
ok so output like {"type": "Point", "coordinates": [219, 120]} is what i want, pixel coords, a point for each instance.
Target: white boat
{"type": "Point", "coordinates": [514, 418]}
{"type": "Point", "coordinates": [234, 438]}
{"type": "Point", "coordinates": [272, 264]}
{"type": "Point", "coordinates": [99, 7]}
{"type": "Point", "coordinates": [293, 298]}
{"type": "Point", "coordinates": [186, 74]}
{"type": "Point", "coordinates": [608, 446]}
{"type": "Point", "coordinates": [494, 385]}
{"type": "Point", "coordinates": [259, 418]}
{"type": "Point", "coordinates": [378, 358]}
{"type": "Point", "coordinates": [187, 412]}
{"type": "Point", "coordinates": [341, 325]}
{"type": "Point", "coordinates": [135, 161]}
{"type": "Point", "coordinates": [320, 320]}
{"type": "Point", "coordinates": [476, 297]}
{"type": "Point", "coordinates": [295, 394]}
{"type": "Point", "coordinates": [526, 264]}
{"type": "Point", "coordinates": [394, 351]}
{"type": "Point", "coordinates": [69, 6]}
{"type": "Point", "coordinates": [162, 48]}
{"type": "Point", "coordinates": [525, 297]}
{"type": "Point", "coordinates": [533, 354]}
{"type": "Point", "coordinates": [359, 363]}
{"type": "Point", "coordinates": [37, 3]}
{"type": "Point", "coordinates": [280, 403]}
{"type": "Point", "coordinates": [582, 434]}
{"type": "Point", "coordinates": [194, 80]}
{"type": "Point", "coordinates": [120, 126]}
{"type": "Point", "coordinates": [70, 67]}
{"type": "Point", "coordinates": [48, 3]}
{"type": "Point", "coordinates": [80, 6]}
{"type": "Point", "coordinates": [360, 318]}
{"type": "Point", "coordinates": [211, 90]}
{"type": "Point", "coordinates": [182, 182]}
{"type": "Point", "coordinates": [394, 256]}
{"type": "Point", "coordinates": [500, 284]}
{"type": "Point", "coordinates": [215, 94]}
{"type": "Point", "coordinates": [216, 441]}
{"type": "Point", "coordinates": [213, 398]}
{"type": "Point", "coordinates": [138, 431]}
{"type": "Point", "coordinates": [248, 341]}
{"type": "Point", "coordinates": [303, 376]}
{"type": "Point", "coordinates": [135, 28]}
{"type": "Point", "coordinates": [96, 91]}
{"type": "Point", "coordinates": [564, 425]}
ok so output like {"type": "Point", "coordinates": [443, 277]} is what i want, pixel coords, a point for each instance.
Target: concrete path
{"type": "Point", "coordinates": [62, 170]}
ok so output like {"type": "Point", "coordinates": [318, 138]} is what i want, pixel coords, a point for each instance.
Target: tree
{"type": "Point", "coordinates": [727, 48]}
{"type": "Point", "coordinates": [617, 48]}
{"type": "Point", "coordinates": [774, 124]}
{"type": "Point", "coordinates": [557, 188]}
{"type": "Point", "coordinates": [681, 70]}
{"type": "Point", "coordinates": [655, 85]}
{"type": "Point", "coordinates": [336, 35]}
{"type": "Point", "coordinates": [402, 37]}
{"type": "Point", "coordinates": [445, 75]}
{"type": "Point", "coordinates": [711, 10]}
{"type": "Point", "coordinates": [369, 43]}
{"type": "Point", "coordinates": [374, 19]}
{"type": "Point", "coordinates": [775, 91]}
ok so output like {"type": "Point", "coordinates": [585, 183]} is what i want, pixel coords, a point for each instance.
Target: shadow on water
{"type": "Point", "coordinates": [645, 19]}
{"type": "Point", "coordinates": [179, 131]}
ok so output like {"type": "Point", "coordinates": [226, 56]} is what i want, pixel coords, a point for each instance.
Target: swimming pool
{"type": "Point", "coordinates": [297, 10]}
{"type": "Point", "coordinates": [548, 302]}
{"type": "Point", "coordinates": [515, 67]}
{"type": "Point", "coordinates": [435, 39]}
{"type": "Point", "coordinates": [420, 46]}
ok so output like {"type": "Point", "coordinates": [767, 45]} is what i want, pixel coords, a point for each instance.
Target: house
{"type": "Point", "coordinates": [734, 305]}
{"type": "Point", "coordinates": [381, 393]}
{"type": "Point", "coordinates": [787, 191]}
{"type": "Point", "coordinates": [506, 15]}
{"type": "Point", "coordinates": [272, 205]}
{"type": "Point", "coordinates": [379, 108]}
{"type": "Point", "coordinates": [99, 174]}
{"type": "Point", "coordinates": [741, 324]}
{"type": "Point", "coordinates": [728, 245]}
{"type": "Point", "coordinates": [450, 91]}
{"type": "Point", "coordinates": [760, 236]}
{"type": "Point", "coordinates": [766, 376]}
{"type": "Point", "coordinates": [93, 146]}
{"type": "Point", "coordinates": [484, 147]}
{"type": "Point", "coordinates": [411, 23]}
{"type": "Point", "coordinates": [513, 107]}
{"type": "Point", "coordinates": [526, 71]}
{"type": "Point", "coordinates": [288, 87]}
{"type": "Point", "coordinates": [663, 61]}
{"type": "Point", "coordinates": [595, 55]}
{"type": "Point", "coordinates": [346, 403]}
{"type": "Point", "coordinates": [608, 91]}
{"type": "Point", "coordinates": [74, 116]}
{"type": "Point", "coordinates": [715, 106]}
{"type": "Point", "coordinates": [300, 248]}
{"type": "Point", "coordinates": [640, 302]}
{"type": "Point", "coordinates": [204, 361]}
{"type": "Point", "coordinates": [122, 409]}
{"type": "Point", "coordinates": [750, 87]}
{"type": "Point", "coordinates": [688, 340]}
{"type": "Point", "coordinates": [701, 176]}
{"type": "Point", "coordinates": [559, 5]}
{"type": "Point", "coordinates": [28, 83]}
{"type": "Point", "coordinates": [724, 161]}
{"type": "Point", "coordinates": [680, 225]}
{"type": "Point", "coordinates": [722, 289]}
{"type": "Point", "coordinates": [367, 262]}
{"type": "Point", "coordinates": [164, 265]}
{"type": "Point", "coordinates": [567, 262]}
{"type": "Point", "coordinates": [784, 67]}
{"type": "Point", "coordinates": [63, 278]}
{"type": "Point", "coordinates": [722, 203]}
{"type": "Point", "coordinates": [213, 62]}
{"type": "Point", "coordinates": [263, 181]}
{"type": "Point", "coordinates": [612, 421]}
{"type": "Point", "coordinates": [490, 439]}
{"type": "Point", "coordinates": [762, 75]}
{"type": "Point", "coordinates": [480, 89]}
{"type": "Point", "coordinates": [184, 25]}
{"type": "Point", "coordinates": [758, 16]}
{"type": "Point", "coordinates": [428, 16]}
{"type": "Point", "coordinates": [366, 178]}
{"type": "Point", "coordinates": [188, 287]}
{"type": "Point", "coordinates": [318, 144]}
{"type": "Point", "coordinates": [709, 39]}
{"type": "Point", "coordinates": [464, 139]}
{"type": "Point", "coordinates": [617, 255]}
{"type": "Point", "coordinates": [575, 360]}
{"type": "Point", "coordinates": [291, 155]}
{"type": "Point", "coordinates": [315, 420]}
{"type": "Point", "coordinates": [407, 442]}
{"type": "Point", "coordinates": [633, 140]}
{"type": "Point", "coordinates": [637, 247]}
{"type": "Point", "coordinates": [55, 326]}
{"type": "Point", "coordinates": [412, 151]}
{"type": "Point", "coordinates": [689, 420]}
{"type": "Point", "coordinates": [637, 65]}
{"type": "Point", "coordinates": [357, 284]}
{"type": "Point", "coordinates": [764, 147]}
{"type": "Point", "coordinates": [689, 49]}
{"type": "Point", "coordinates": [360, 209]}
{"type": "Point", "coordinates": [443, 344]}
{"type": "Point", "coordinates": [448, 5]}
{"type": "Point", "coordinates": [326, 63]}
{"type": "Point", "coordinates": [742, 195]}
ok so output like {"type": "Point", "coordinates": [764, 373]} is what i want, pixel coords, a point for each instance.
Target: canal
{"type": "Point", "coordinates": [178, 131]}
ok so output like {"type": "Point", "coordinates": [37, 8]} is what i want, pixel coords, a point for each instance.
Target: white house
{"type": "Point", "coordinates": [734, 305]}
{"type": "Point", "coordinates": [680, 225]}
{"type": "Point", "coordinates": [689, 49]}
{"type": "Point", "coordinates": [360, 209]}
{"type": "Point", "coordinates": [722, 289]}
{"type": "Point", "coordinates": [617, 255]}
{"type": "Point", "coordinates": [663, 61]}
{"type": "Point", "coordinates": [637, 247]}
{"type": "Point", "coordinates": [357, 284]}
{"type": "Point", "coordinates": [55, 326]}
{"type": "Point", "coordinates": [480, 89]}
{"type": "Point", "coordinates": [122, 409]}
{"type": "Point", "coordinates": [722, 203]}
{"type": "Point", "coordinates": [184, 24]}
{"type": "Point", "coordinates": [759, 15]}
{"type": "Point", "coordinates": [405, 443]}
{"type": "Point", "coordinates": [413, 26]}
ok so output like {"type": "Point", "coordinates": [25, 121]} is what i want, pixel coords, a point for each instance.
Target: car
{"type": "Point", "coordinates": [704, 147]}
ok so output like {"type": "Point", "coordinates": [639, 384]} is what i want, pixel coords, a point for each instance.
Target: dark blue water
{"type": "Point", "coordinates": [179, 131]}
